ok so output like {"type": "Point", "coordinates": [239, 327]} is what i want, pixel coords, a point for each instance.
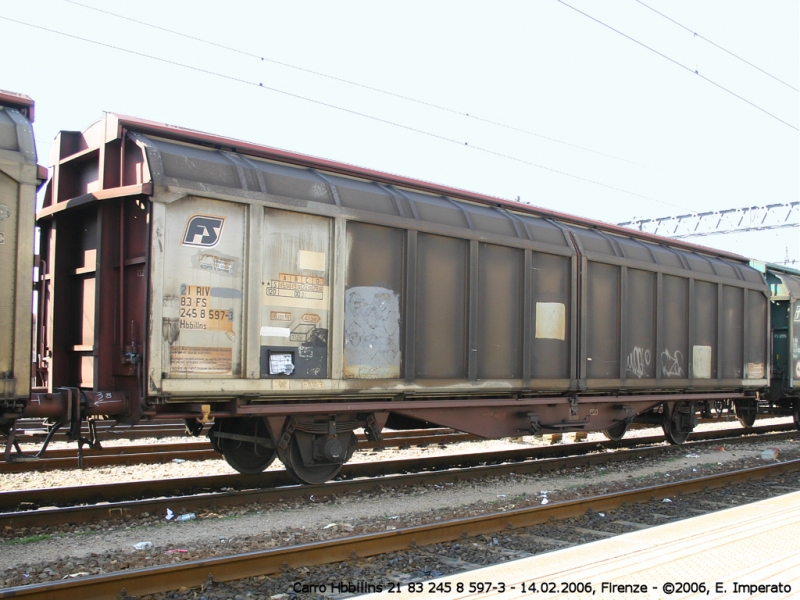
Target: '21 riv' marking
{"type": "Point", "coordinates": [196, 311]}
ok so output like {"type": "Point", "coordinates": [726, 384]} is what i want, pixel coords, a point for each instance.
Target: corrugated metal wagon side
{"type": "Point", "coordinates": [659, 317]}
{"type": "Point", "coordinates": [348, 282]}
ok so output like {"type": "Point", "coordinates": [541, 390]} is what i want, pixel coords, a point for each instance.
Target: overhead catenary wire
{"type": "Point", "coordinates": [675, 62]}
{"type": "Point", "coordinates": [705, 39]}
{"type": "Point", "coordinates": [353, 83]}
{"type": "Point", "coordinates": [335, 107]}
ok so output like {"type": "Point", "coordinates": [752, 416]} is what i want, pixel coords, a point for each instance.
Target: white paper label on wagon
{"type": "Point", "coordinates": [280, 363]}
{"type": "Point", "coordinates": [283, 332]}
{"type": "Point", "coordinates": [311, 261]}
{"type": "Point", "coordinates": [551, 320]}
{"type": "Point", "coordinates": [701, 362]}
{"type": "Point", "coordinates": [755, 370]}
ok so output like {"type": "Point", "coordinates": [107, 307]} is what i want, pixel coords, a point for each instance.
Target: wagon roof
{"type": "Point", "coordinates": [18, 101]}
{"type": "Point", "coordinates": [116, 124]}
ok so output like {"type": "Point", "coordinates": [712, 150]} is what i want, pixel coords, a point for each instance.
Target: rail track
{"type": "Point", "coordinates": [211, 571]}
{"type": "Point", "coordinates": [34, 430]}
{"type": "Point", "coordinates": [67, 458]}
{"type": "Point", "coordinates": [86, 504]}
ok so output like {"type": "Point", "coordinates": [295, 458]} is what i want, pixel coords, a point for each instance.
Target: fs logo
{"type": "Point", "coordinates": [203, 231]}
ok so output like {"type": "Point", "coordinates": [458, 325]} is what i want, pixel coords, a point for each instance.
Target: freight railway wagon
{"type": "Point", "coordinates": [20, 177]}
{"type": "Point", "coordinates": [292, 300]}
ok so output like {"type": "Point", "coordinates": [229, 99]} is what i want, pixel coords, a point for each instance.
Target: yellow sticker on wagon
{"type": "Point", "coordinates": [196, 311]}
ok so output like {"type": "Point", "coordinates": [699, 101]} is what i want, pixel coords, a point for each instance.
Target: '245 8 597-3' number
{"type": "Point", "coordinates": [207, 313]}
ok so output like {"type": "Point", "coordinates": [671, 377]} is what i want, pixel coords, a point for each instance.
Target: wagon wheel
{"type": "Point", "coordinates": [317, 473]}
{"type": "Point", "coordinates": [616, 432]}
{"type": "Point", "coordinates": [678, 423]}
{"type": "Point", "coordinates": [246, 456]}
{"type": "Point", "coordinates": [796, 414]}
{"type": "Point", "coordinates": [746, 411]}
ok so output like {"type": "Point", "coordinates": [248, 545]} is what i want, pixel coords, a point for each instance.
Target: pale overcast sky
{"type": "Point", "coordinates": [592, 123]}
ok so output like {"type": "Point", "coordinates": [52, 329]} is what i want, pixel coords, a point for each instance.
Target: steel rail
{"type": "Point", "coordinates": [176, 486]}
{"type": "Point", "coordinates": [31, 430]}
{"type": "Point", "coordinates": [281, 487]}
{"type": "Point", "coordinates": [184, 486]}
{"type": "Point", "coordinates": [67, 458]}
{"type": "Point", "coordinates": [100, 459]}
{"type": "Point", "coordinates": [191, 574]}
{"type": "Point", "coordinates": [34, 430]}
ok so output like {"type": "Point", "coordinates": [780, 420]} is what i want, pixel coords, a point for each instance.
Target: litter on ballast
{"type": "Point", "coordinates": [770, 453]}
{"type": "Point", "coordinates": [73, 575]}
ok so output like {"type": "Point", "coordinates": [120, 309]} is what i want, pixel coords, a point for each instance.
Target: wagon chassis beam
{"type": "Point", "coordinates": [485, 417]}
{"type": "Point", "coordinates": [256, 408]}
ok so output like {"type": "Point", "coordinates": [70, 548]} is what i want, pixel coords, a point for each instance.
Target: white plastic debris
{"type": "Point", "coordinates": [770, 453]}
{"type": "Point", "coordinates": [329, 525]}
{"type": "Point", "coordinates": [143, 545]}
{"type": "Point", "coordinates": [170, 514]}
{"type": "Point", "coordinates": [692, 455]}
{"type": "Point", "coordinates": [186, 517]}
{"type": "Point", "coordinates": [666, 500]}
{"type": "Point", "coordinates": [602, 514]}
{"type": "Point", "coordinates": [73, 575]}
{"type": "Point", "coordinates": [178, 460]}
{"type": "Point", "coordinates": [545, 501]}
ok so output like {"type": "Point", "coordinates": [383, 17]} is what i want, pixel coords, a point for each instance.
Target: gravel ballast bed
{"type": "Point", "coordinates": [109, 546]}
